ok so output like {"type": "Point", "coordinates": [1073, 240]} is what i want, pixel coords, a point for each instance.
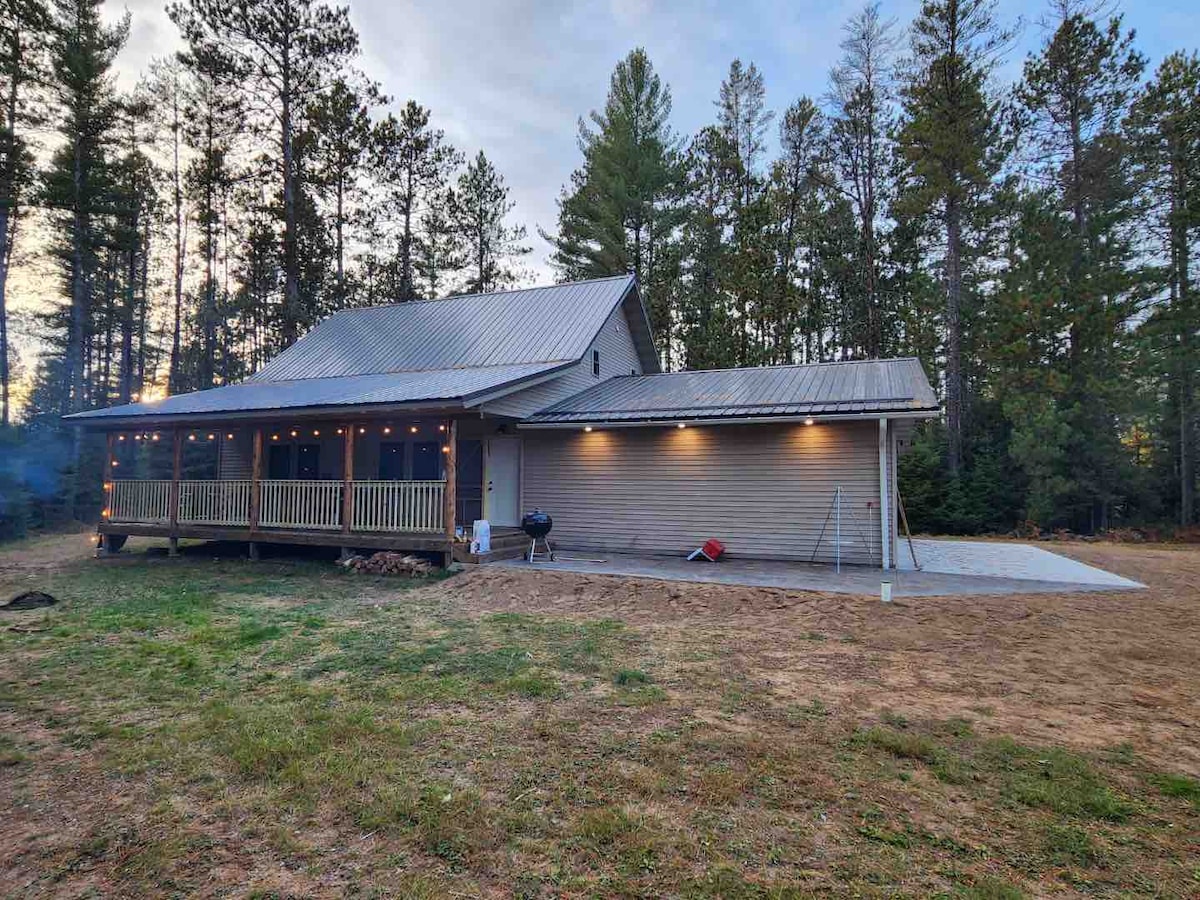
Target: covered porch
{"type": "Point", "coordinates": [412, 482]}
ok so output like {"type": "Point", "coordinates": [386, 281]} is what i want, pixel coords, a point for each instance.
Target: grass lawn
{"type": "Point", "coordinates": [283, 728]}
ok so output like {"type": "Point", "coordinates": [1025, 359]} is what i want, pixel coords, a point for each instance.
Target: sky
{"type": "Point", "coordinates": [513, 77]}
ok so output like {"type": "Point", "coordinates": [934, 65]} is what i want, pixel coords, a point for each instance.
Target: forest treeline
{"type": "Point", "coordinates": [1029, 241]}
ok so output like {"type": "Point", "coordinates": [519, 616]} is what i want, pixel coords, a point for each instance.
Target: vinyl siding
{"type": "Point", "coordinates": [764, 490]}
{"type": "Point", "coordinates": [618, 356]}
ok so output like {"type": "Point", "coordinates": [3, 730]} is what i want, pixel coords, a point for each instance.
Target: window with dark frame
{"type": "Point", "coordinates": [596, 363]}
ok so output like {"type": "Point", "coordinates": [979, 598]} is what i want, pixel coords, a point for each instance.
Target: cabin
{"type": "Point", "coordinates": [397, 427]}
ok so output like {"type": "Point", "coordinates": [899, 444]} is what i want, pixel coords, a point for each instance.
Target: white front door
{"type": "Point", "coordinates": [502, 475]}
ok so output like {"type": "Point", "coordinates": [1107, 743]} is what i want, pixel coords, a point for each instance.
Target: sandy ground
{"type": "Point", "coordinates": [1089, 670]}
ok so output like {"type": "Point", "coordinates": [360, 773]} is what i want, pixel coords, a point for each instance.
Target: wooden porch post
{"type": "Point", "coordinates": [255, 487]}
{"type": "Point", "coordinates": [110, 461]}
{"type": "Point", "coordinates": [347, 485]}
{"type": "Point", "coordinates": [451, 469]}
{"type": "Point", "coordinates": [173, 501]}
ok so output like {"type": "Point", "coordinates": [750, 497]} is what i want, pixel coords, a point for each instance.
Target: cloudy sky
{"type": "Point", "coordinates": [513, 76]}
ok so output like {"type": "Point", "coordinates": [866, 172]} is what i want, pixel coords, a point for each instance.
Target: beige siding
{"type": "Point", "coordinates": [618, 356]}
{"type": "Point", "coordinates": [764, 490]}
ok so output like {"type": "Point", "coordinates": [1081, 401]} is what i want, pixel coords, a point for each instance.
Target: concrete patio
{"type": "Point", "coordinates": [857, 579]}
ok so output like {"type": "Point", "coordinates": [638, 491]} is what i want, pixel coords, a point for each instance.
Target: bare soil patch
{"type": "Point", "coordinates": [1088, 669]}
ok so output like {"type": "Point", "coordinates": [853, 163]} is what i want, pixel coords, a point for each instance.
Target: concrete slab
{"type": "Point", "coordinates": [795, 576]}
{"type": "Point", "coordinates": [1005, 559]}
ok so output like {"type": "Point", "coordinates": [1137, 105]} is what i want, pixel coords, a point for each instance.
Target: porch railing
{"type": "Point", "coordinates": [301, 505]}
{"type": "Point", "coordinates": [215, 502]}
{"type": "Point", "coordinates": [140, 501]}
{"type": "Point", "coordinates": [398, 505]}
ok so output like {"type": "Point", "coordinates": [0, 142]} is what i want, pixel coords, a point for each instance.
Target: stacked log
{"type": "Point", "coordinates": [387, 562]}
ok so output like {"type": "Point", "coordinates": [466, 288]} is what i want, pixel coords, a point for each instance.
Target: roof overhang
{"type": "Point", "coordinates": [669, 421]}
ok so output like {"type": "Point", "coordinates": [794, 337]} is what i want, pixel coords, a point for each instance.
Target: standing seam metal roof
{"type": "Point", "coordinates": [841, 388]}
{"type": "Point", "coordinates": [545, 324]}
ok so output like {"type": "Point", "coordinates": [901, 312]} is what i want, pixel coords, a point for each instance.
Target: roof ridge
{"type": "Point", "coordinates": [534, 287]}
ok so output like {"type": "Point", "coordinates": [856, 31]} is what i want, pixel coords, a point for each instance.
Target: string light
{"type": "Point", "coordinates": [191, 437]}
{"type": "Point", "coordinates": [340, 430]}
{"type": "Point", "coordinates": [387, 429]}
{"type": "Point", "coordinates": [113, 463]}
{"type": "Point", "coordinates": [414, 429]}
{"type": "Point", "coordinates": [445, 449]}
{"type": "Point", "coordinates": [137, 437]}
{"type": "Point", "coordinates": [362, 431]}
{"type": "Point", "coordinates": [681, 425]}
{"type": "Point", "coordinates": [316, 433]}
{"type": "Point", "coordinates": [154, 437]}
{"type": "Point", "coordinates": [103, 512]}
{"type": "Point", "coordinates": [294, 433]}
{"type": "Point", "coordinates": [229, 437]}
{"type": "Point", "coordinates": [441, 428]}
{"type": "Point", "coordinates": [120, 437]}
{"type": "Point", "coordinates": [808, 421]}
{"type": "Point", "coordinates": [212, 437]}
{"type": "Point", "coordinates": [587, 428]}
{"type": "Point", "coordinates": [274, 437]}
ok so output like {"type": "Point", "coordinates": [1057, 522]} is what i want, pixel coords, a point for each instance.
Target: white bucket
{"type": "Point", "coordinates": [885, 591]}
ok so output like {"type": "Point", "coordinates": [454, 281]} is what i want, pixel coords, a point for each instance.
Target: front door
{"type": "Point", "coordinates": [503, 496]}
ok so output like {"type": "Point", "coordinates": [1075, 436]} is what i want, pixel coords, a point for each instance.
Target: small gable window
{"type": "Point", "coordinates": [596, 363]}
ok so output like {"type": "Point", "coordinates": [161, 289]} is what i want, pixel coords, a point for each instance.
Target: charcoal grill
{"type": "Point", "coordinates": [537, 525]}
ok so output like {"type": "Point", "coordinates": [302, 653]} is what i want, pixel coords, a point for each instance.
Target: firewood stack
{"type": "Point", "coordinates": [387, 562]}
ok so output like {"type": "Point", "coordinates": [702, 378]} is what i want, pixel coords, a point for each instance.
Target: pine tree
{"type": "Point", "coordinates": [621, 212]}
{"type": "Point", "coordinates": [860, 153]}
{"type": "Point", "coordinates": [1074, 94]}
{"type": "Point", "coordinates": [950, 142]}
{"type": "Point", "coordinates": [340, 123]}
{"type": "Point", "coordinates": [415, 163]}
{"type": "Point", "coordinates": [24, 35]}
{"type": "Point", "coordinates": [1165, 128]}
{"type": "Point", "coordinates": [479, 211]}
{"type": "Point", "coordinates": [742, 119]}
{"type": "Point", "coordinates": [281, 53]}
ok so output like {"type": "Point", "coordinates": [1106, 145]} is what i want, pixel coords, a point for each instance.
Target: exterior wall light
{"type": "Point", "coordinates": [808, 421]}
{"type": "Point", "coordinates": [587, 427]}
{"type": "Point", "coordinates": [681, 425]}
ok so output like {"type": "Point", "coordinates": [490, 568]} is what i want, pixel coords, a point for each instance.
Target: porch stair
{"type": "Point", "coordinates": [507, 543]}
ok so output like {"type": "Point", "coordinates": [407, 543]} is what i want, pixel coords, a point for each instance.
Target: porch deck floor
{"type": "Point", "coordinates": [796, 576]}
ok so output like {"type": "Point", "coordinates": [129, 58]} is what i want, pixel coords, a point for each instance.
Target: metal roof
{"type": "Point", "coordinates": [352, 390]}
{"type": "Point", "coordinates": [883, 386]}
{"type": "Point", "coordinates": [544, 324]}
{"type": "Point", "coordinates": [432, 350]}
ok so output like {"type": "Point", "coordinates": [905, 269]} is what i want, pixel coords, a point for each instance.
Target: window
{"type": "Point", "coordinates": [596, 363]}
{"type": "Point", "coordinates": [391, 462]}
{"type": "Point", "coordinates": [427, 461]}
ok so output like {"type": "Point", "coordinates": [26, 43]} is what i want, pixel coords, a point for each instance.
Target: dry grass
{"type": "Point", "coordinates": [216, 728]}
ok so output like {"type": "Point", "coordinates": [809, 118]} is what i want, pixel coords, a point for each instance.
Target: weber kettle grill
{"type": "Point", "coordinates": [537, 525]}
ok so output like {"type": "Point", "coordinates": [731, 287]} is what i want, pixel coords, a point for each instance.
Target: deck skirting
{"type": "Point", "coordinates": [392, 540]}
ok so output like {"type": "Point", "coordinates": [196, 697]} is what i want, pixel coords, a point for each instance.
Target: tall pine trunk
{"type": "Point", "coordinates": [954, 373]}
{"type": "Point", "coordinates": [291, 275]}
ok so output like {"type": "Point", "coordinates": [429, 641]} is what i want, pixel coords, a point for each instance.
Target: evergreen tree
{"type": "Point", "coordinates": [1165, 128]}
{"type": "Point", "coordinates": [860, 151]}
{"type": "Point", "coordinates": [24, 35]}
{"type": "Point", "coordinates": [480, 206]}
{"type": "Point", "coordinates": [1074, 95]}
{"type": "Point", "coordinates": [415, 163]}
{"type": "Point", "coordinates": [950, 141]}
{"type": "Point", "coordinates": [280, 54]}
{"type": "Point", "coordinates": [622, 211]}
{"type": "Point", "coordinates": [340, 124]}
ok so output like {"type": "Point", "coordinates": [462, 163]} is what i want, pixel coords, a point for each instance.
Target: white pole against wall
{"type": "Point", "coordinates": [885, 496]}
{"type": "Point", "coordinates": [837, 551]}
